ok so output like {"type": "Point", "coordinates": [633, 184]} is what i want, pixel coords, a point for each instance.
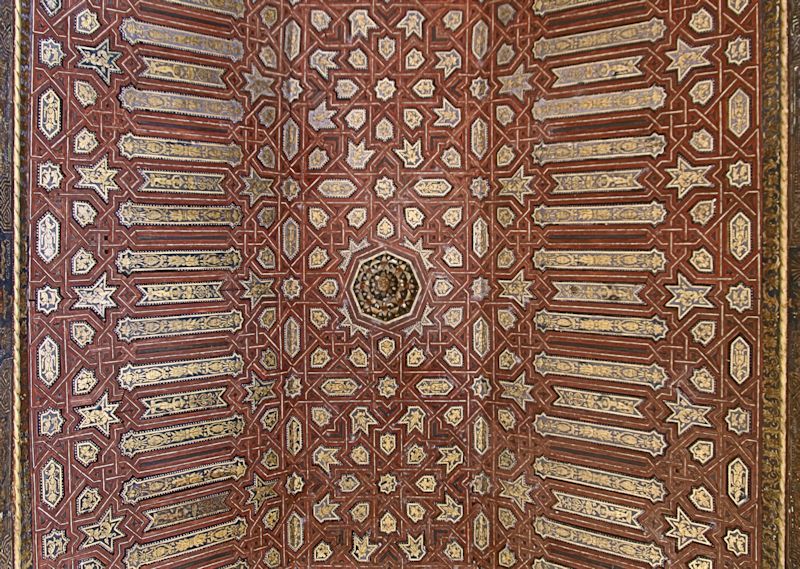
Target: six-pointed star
{"type": "Point", "coordinates": [104, 532]}
{"type": "Point", "coordinates": [99, 177]}
{"type": "Point", "coordinates": [518, 391]}
{"type": "Point", "coordinates": [97, 297]}
{"type": "Point", "coordinates": [517, 83]}
{"type": "Point", "coordinates": [257, 85]}
{"type": "Point", "coordinates": [101, 59]}
{"type": "Point", "coordinates": [260, 491]}
{"type": "Point", "coordinates": [519, 491]}
{"type": "Point", "coordinates": [687, 415]}
{"type": "Point", "coordinates": [686, 177]}
{"type": "Point", "coordinates": [685, 531]}
{"type": "Point", "coordinates": [685, 57]}
{"type": "Point", "coordinates": [517, 289]}
{"type": "Point", "coordinates": [101, 415]}
{"type": "Point", "coordinates": [257, 187]}
{"type": "Point", "coordinates": [518, 185]}
{"type": "Point", "coordinates": [686, 296]}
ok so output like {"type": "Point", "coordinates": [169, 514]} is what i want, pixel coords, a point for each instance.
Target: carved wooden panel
{"type": "Point", "coordinates": [404, 284]}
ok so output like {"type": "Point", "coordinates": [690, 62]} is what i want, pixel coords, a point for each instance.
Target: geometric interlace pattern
{"type": "Point", "coordinates": [395, 283]}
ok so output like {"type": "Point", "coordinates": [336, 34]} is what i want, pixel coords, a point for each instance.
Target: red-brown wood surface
{"type": "Point", "coordinates": [404, 284]}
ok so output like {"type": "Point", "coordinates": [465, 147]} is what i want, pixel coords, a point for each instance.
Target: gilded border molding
{"type": "Point", "coordinates": [793, 322]}
{"type": "Point", "coordinates": [20, 491]}
{"type": "Point", "coordinates": [774, 298]}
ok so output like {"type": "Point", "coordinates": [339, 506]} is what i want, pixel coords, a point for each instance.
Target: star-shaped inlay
{"type": "Point", "coordinates": [51, 53]}
{"type": "Point", "coordinates": [260, 491]}
{"type": "Point", "coordinates": [413, 419]}
{"type": "Point", "coordinates": [385, 89]}
{"type": "Point", "coordinates": [362, 548]}
{"type": "Point", "coordinates": [518, 186]}
{"type": "Point", "coordinates": [259, 390]}
{"type": "Point", "coordinates": [98, 177]}
{"type": "Point", "coordinates": [738, 421]}
{"type": "Point", "coordinates": [101, 415]}
{"type": "Point", "coordinates": [325, 510]}
{"type": "Point", "coordinates": [517, 289]}
{"type": "Point", "coordinates": [685, 531]}
{"type": "Point", "coordinates": [449, 115]}
{"type": "Point", "coordinates": [480, 288]}
{"type": "Point", "coordinates": [361, 23]}
{"type": "Point", "coordinates": [412, 23]}
{"type": "Point", "coordinates": [519, 491]}
{"type": "Point", "coordinates": [257, 289]}
{"type": "Point", "coordinates": [292, 89]}
{"type": "Point", "coordinates": [686, 296]}
{"type": "Point", "coordinates": [686, 415]}
{"type": "Point", "coordinates": [737, 542]}
{"type": "Point", "coordinates": [358, 155]}
{"type": "Point", "coordinates": [481, 386]}
{"type": "Point", "coordinates": [295, 484]}
{"type": "Point", "coordinates": [449, 61]}
{"type": "Point", "coordinates": [50, 175]}
{"type": "Point", "coordinates": [256, 187]}
{"type": "Point", "coordinates": [101, 59]}
{"type": "Point", "coordinates": [414, 547]}
{"type": "Point", "coordinates": [481, 484]}
{"type": "Point", "coordinates": [410, 154]}
{"type": "Point", "coordinates": [257, 85]}
{"type": "Point", "coordinates": [517, 390]}
{"type": "Point", "coordinates": [424, 254]}
{"type": "Point", "coordinates": [97, 297]}
{"type": "Point", "coordinates": [686, 177]}
{"type": "Point", "coordinates": [517, 83]}
{"type": "Point", "coordinates": [361, 420]}
{"type": "Point", "coordinates": [50, 422]}
{"type": "Point", "coordinates": [421, 322]}
{"type": "Point", "coordinates": [387, 483]}
{"type": "Point", "coordinates": [684, 58]}
{"type": "Point", "coordinates": [48, 299]}
{"type": "Point", "coordinates": [319, 118]}
{"type": "Point", "coordinates": [104, 532]}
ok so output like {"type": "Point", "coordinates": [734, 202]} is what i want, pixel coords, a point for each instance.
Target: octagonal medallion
{"type": "Point", "coordinates": [385, 287]}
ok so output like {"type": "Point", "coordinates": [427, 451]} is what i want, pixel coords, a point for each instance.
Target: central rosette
{"type": "Point", "coordinates": [385, 287]}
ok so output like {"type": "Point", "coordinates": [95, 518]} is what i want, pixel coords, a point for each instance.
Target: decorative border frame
{"type": "Point", "coordinates": [792, 557]}
{"type": "Point", "coordinates": [780, 294]}
{"type": "Point", "coordinates": [775, 109]}
{"type": "Point", "coordinates": [16, 547]}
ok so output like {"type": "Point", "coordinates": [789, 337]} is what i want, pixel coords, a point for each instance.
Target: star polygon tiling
{"type": "Point", "coordinates": [101, 59]}
{"type": "Point", "coordinates": [687, 296]}
{"type": "Point", "coordinates": [104, 532]}
{"type": "Point", "coordinates": [97, 297]}
{"type": "Point", "coordinates": [101, 415]}
{"type": "Point", "coordinates": [517, 186]}
{"type": "Point", "coordinates": [517, 289]}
